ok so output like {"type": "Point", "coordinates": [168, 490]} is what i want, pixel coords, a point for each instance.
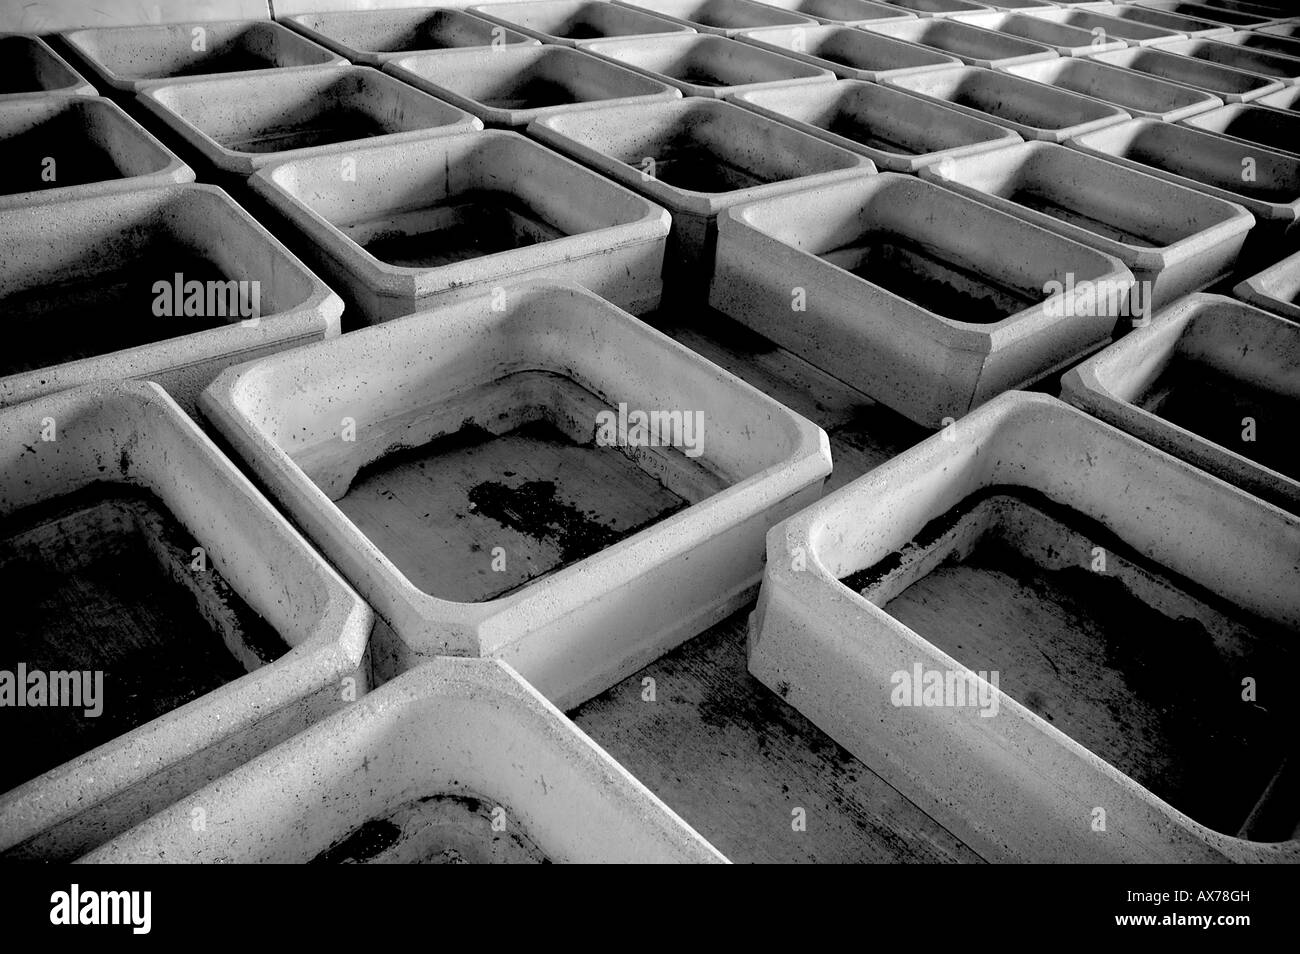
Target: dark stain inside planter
{"type": "Point", "coordinates": [334, 122]}
{"type": "Point", "coordinates": [236, 57]}
{"type": "Point", "coordinates": [25, 68]}
{"type": "Point", "coordinates": [877, 135]}
{"type": "Point", "coordinates": [55, 154]}
{"type": "Point", "coordinates": [1035, 198]}
{"type": "Point", "coordinates": [101, 580]}
{"type": "Point", "coordinates": [697, 168]}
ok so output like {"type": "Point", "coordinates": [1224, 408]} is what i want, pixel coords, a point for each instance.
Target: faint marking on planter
{"type": "Point", "coordinates": [1130, 32]}
{"type": "Point", "coordinates": [1064, 39]}
{"type": "Point", "coordinates": [32, 68]}
{"type": "Point", "coordinates": [849, 53]}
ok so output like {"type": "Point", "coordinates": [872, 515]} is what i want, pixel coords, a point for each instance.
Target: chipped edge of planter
{"type": "Point", "coordinates": [792, 19]}
{"type": "Point", "coordinates": [375, 58]}
{"type": "Point", "coordinates": [77, 84]}
{"type": "Point", "coordinates": [1208, 101]}
{"type": "Point", "coordinates": [1200, 119]}
{"type": "Point", "coordinates": [759, 38]}
{"type": "Point", "coordinates": [484, 11]}
{"type": "Point", "coordinates": [568, 795]}
{"type": "Point", "coordinates": [1256, 290]}
{"type": "Point", "coordinates": [69, 808]}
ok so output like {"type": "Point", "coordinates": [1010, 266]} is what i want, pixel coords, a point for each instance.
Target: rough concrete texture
{"type": "Point", "coordinates": [1188, 26]}
{"type": "Point", "coordinates": [896, 131]}
{"type": "Point", "coordinates": [373, 37]}
{"type": "Point", "coordinates": [1275, 129]}
{"type": "Point", "coordinates": [243, 123]}
{"type": "Point", "coordinates": [848, 53]}
{"type": "Point", "coordinates": [577, 22]}
{"type": "Point", "coordinates": [1211, 14]}
{"type": "Point", "coordinates": [697, 157]}
{"type": "Point", "coordinates": [33, 69]}
{"type": "Point", "coordinates": [1064, 39]}
{"type": "Point", "coordinates": [926, 300]}
{"type": "Point", "coordinates": [1173, 239]}
{"type": "Point", "coordinates": [456, 216]}
{"type": "Point", "coordinates": [76, 147]}
{"type": "Point", "coordinates": [576, 631]}
{"type": "Point", "coordinates": [1034, 110]}
{"type": "Point", "coordinates": [843, 12]}
{"type": "Point", "coordinates": [713, 66]}
{"type": "Point", "coordinates": [133, 435]}
{"type": "Point", "coordinates": [1015, 786]}
{"type": "Point", "coordinates": [128, 57]}
{"type": "Point", "coordinates": [725, 17]}
{"type": "Point", "coordinates": [1130, 32]}
{"type": "Point", "coordinates": [513, 86]}
{"type": "Point", "coordinates": [1276, 288]}
{"type": "Point", "coordinates": [1259, 62]}
{"type": "Point", "coordinates": [1252, 40]}
{"type": "Point", "coordinates": [1248, 358]}
{"type": "Point", "coordinates": [78, 281]}
{"type": "Point", "coordinates": [1231, 86]}
{"type": "Point", "coordinates": [465, 734]}
{"type": "Point", "coordinates": [1135, 93]}
{"type": "Point", "coordinates": [974, 46]}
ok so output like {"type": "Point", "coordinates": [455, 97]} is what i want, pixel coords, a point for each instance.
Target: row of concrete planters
{"type": "Point", "coordinates": [1014, 787]}
{"type": "Point", "coordinates": [147, 441]}
{"type": "Point", "coordinates": [33, 69]}
{"type": "Point", "coordinates": [373, 37]}
{"type": "Point", "coordinates": [459, 728]}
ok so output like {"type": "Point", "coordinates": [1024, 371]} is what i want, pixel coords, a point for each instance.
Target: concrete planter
{"type": "Point", "coordinates": [1284, 29]}
{"type": "Point", "coordinates": [128, 57]}
{"type": "Point", "coordinates": [1034, 110]}
{"type": "Point", "coordinates": [1211, 164]}
{"type": "Point", "coordinates": [1251, 40]}
{"type": "Point", "coordinates": [373, 37]}
{"type": "Point", "coordinates": [1190, 381]}
{"type": "Point", "coordinates": [240, 125]}
{"type": "Point", "coordinates": [712, 66]}
{"type": "Point", "coordinates": [275, 675]}
{"type": "Point", "coordinates": [929, 302]}
{"type": "Point", "coordinates": [33, 69]}
{"type": "Point", "coordinates": [614, 596]}
{"type": "Point", "coordinates": [1286, 98]}
{"type": "Point", "coordinates": [842, 12]}
{"type": "Point", "coordinates": [1276, 288]}
{"type": "Point", "coordinates": [458, 761]}
{"type": "Point", "coordinates": [897, 132]}
{"type": "Point", "coordinates": [1231, 86]}
{"type": "Point", "coordinates": [939, 8]}
{"type": "Point", "coordinates": [1275, 129]}
{"type": "Point", "coordinates": [1021, 767]}
{"type": "Point", "coordinates": [1065, 40]}
{"type": "Point", "coordinates": [697, 158]}
{"type": "Point", "coordinates": [1135, 93]}
{"type": "Point", "coordinates": [78, 282]}
{"type": "Point", "coordinates": [1259, 62]}
{"type": "Point", "coordinates": [725, 17]}
{"type": "Point", "coordinates": [972, 45]}
{"type": "Point", "coordinates": [849, 53]}
{"type": "Point", "coordinates": [1130, 32]}
{"type": "Point", "coordinates": [457, 216]}
{"type": "Point", "coordinates": [88, 146]}
{"type": "Point", "coordinates": [512, 87]}
{"type": "Point", "coordinates": [1213, 14]}
{"type": "Point", "coordinates": [577, 22]}
{"type": "Point", "coordinates": [1188, 26]}
{"type": "Point", "coordinates": [1174, 240]}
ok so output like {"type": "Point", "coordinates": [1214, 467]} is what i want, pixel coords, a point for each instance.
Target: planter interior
{"type": "Point", "coordinates": [1064, 39]}
{"type": "Point", "coordinates": [1130, 31]}
{"type": "Point", "coordinates": [847, 12]}
{"type": "Point", "coordinates": [1188, 26]}
{"type": "Point", "coordinates": [1287, 46]}
{"type": "Point", "coordinates": [850, 53]}
{"type": "Point", "coordinates": [720, 16]}
{"type": "Point", "coordinates": [30, 66]}
{"type": "Point", "coordinates": [970, 44]}
{"type": "Point", "coordinates": [1276, 288]}
{"type": "Point", "coordinates": [708, 65]}
{"type": "Point", "coordinates": [578, 21]}
{"type": "Point", "coordinates": [1227, 83]}
{"type": "Point", "coordinates": [1135, 93]}
{"type": "Point", "coordinates": [1276, 129]}
{"type": "Point", "coordinates": [373, 37]}
{"type": "Point", "coordinates": [1235, 57]}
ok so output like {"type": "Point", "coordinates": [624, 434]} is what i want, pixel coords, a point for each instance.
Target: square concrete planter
{"type": "Point", "coordinates": [33, 69]}
{"type": "Point", "coordinates": [1286, 98]}
{"type": "Point", "coordinates": [1207, 373]}
{"type": "Point", "coordinates": [1034, 110]}
{"type": "Point", "coordinates": [842, 12]}
{"type": "Point", "coordinates": [224, 634]}
{"type": "Point", "coordinates": [1209, 163]}
{"type": "Point", "coordinates": [938, 8]}
{"type": "Point", "coordinates": [462, 215]}
{"type": "Point", "coordinates": [1259, 62]}
{"type": "Point", "coordinates": [1135, 93]}
{"type": "Point", "coordinates": [897, 132]}
{"type": "Point", "coordinates": [1275, 129]}
{"type": "Point", "coordinates": [457, 762]}
{"type": "Point", "coordinates": [373, 37]}
{"type": "Point", "coordinates": [1065, 40]}
{"type": "Point", "coordinates": [1276, 288]}
{"type": "Point", "coordinates": [1130, 32]}
{"type": "Point", "coordinates": [849, 53]}
{"type": "Point", "coordinates": [61, 147]}
{"type": "Point", "coordinates": [1251, 40]}
{"type": "Point", "coordinates": [926, 300]}
{"type": "Point", "coordinates": [1231, 86]}
{"type": "Point", "coordinates": [577, 22]}
{"type": "Point", "coordinates": [1174, 240]}
{"type": "Point", "coordinates": [79, 286]}
{"type": "Point", "coordinates": [1214, 14]}
{"type": "Point", "coordinates": [713, 66]}
{"type": "Point", "coordinates": [1188, 26]}
{"type": "Point", "coordinates": [698, 157]}
{"type": "Point", "coordinates": [241, 124]}
{"type": "Point", "coordinates": [128, 57]}
{"type": "Point", "coordinates": [726, 17]}
{"type": "Point", "coordinates": [496, 417]}
{"type": "Point", "coordinates": [513, 86]}
{"type": "Point", "coordinates": [972, 45]}
{"type": "Point", "coordinates": [974, 618]}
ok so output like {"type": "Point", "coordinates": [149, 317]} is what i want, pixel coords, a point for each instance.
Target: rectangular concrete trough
{"type": "Point", "coordinates": [1135, 93]}
{"type": "Point", "coordinates": [457, 762]}
{"type": "Point", "coordinates": [455, 216]}
{"type": "Point", "coordinates": [1286, 29]}
{"type": "Point", "coordinates": [1130, 32]}
{"type": "Point", "coordinates": [373, 37]}
{"type": "Point", "coordinates": [1212, 381]}
{"type": "Point", "coordinates": [1034, 110]}
{"type": "Point", "coordinates": [1276, 129]}
{"type": "Point", "coordinates": [1065, 40]}
{"type": "Point", "coordinates": [1286, 98]}
{"type": "Point", "coordinates": [1251, 40]}
{"type": "Point", "coordinates": [842, 12]}
{"type": "Point", "coordinates": [1231, 86]}
{"type": "Point", "coordinates": [1173, 239]}
{"type": "Point", "coordinates": [511, 87]}
{"type": "Point", "coordinates": [31, 68]}
{"type": "Point", "coordinates": [938, 8]}
{"type": "Point", "coordinates": [726, 17]}
{"type": "Point", "coordinates": [1188, 26]}
{"type": "Point", "coordinates": [849, 53]}
{"type": "Point", "coordinates": [128, 57]}
{"type": "Point", "coordinates": [1276, 288]}
{"type": "Point", "coordinates": [491, 478]}
{"type": "Point", "coordinates": [171, 284]}
{"type": "Point", "coordinates": [224, 634]}
{"type": "Point", "coordinates": [61, 147]}
{"type": "Point", "coordinates": [1259, 62]}
{"type": "Point", "coordinates": [1037, 628]}
{"type": "Point", "coordinates": [698, 157]}
{"type": "Point", "coordinates": [706, 65]}
{"type": "Point", "coordinates": [239, 125]}
{"type": "Point", "coordinates": [926, 300]}
{"type": "Point", "coordinates": [577, 22]}
{"type": "Point", "coordinates": [972, 45]}
{"type": "Point", "coordinates": [1213, 14]}
{"type": "Point", "coordinates": [897, 132]}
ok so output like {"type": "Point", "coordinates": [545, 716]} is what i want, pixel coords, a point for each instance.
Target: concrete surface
{"type": "Point", "coordinates": [1276, 288]}
{"type": "Point", "coordinates": [1064, 39]}
{"type": "Point", "coordinates": [849, 53]}
{"type": "Point", "coordinates": [373, 37]}
{"type": "Point", "coordinates": [1252, 40]}
{"type": "Point", "coordinates": [1188, 26]}
{"type": "Point", "coordinates": [1231, 86]}
{"type": "Point", "coordinates": [725, 17]}
{"type": "Point", "coordinates": [1259, 62]}
{"type": "Point", "coordinates": [1130, 32]}
{"type": "Point", "coordinates": [1275, 129]}
{"type": "Point", "coordinates": [577, 22]}
{"type": "Point", "coordinates": [974, 46]}
{"type": "Point", "coordinates": [843, 12]}
{"type": "Point", "coordinates": [1135, 93]}
{"type": "Point", "coordinates": [33, 69]}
